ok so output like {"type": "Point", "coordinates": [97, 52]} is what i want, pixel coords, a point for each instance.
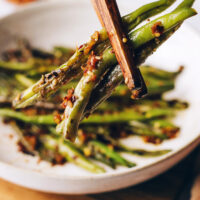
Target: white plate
{"type": "Point", "coordinates": [71, 22]}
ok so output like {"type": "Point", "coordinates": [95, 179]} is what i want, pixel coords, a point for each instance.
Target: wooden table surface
{"type": "Point", "coordinates": [167, 186]}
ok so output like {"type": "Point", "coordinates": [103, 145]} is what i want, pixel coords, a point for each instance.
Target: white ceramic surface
{"type": "Point", "coordinates": [69, 23]}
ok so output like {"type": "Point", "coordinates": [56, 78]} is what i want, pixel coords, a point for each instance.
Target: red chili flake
{"type": "Point", "coordinates": [152, 139]}
{"type": "Point", "coordinates": [112, 51]}
{"type": "Point", "coordinates": [160, 83]}
{"type": "Point", "coordinates": [30, 111]}
{"type": "Point", "coordinates": [171, 132]}
{"type": "Point", "coordinates": [134, 94]}
{"type": "Point", "coordinates": [59, 159]}
{"type": "Point", "coordinates": [95, 36]}
{"type": "Point", "coordinates": [110, 146]}
{"type": "Point", "coordinates": [82, 136]}
{"type": "Point", "coordinates": [57, 118]}
{"type": "Point", "coordinates": [70, 92]}
{"type": "Point", "coordinates": [68, 98]}
{"type": "Point", "coordinates": [22, 148]}
{"type": "Point", "coordinates": [157, 29]}
{"type": "Point", "coordinates": [64, 104]}
{"type": "Point", "coordinates": [93, 78]}
{"type": "Point", "coordinates": [83, 67]}
{"type": "Point", "coordinates": [91, 63]}
{"type": "Point", "coordinates": [80, 46]}
{"type": "Point", "coordinates": [93, 41]}
{"type": "Point", "coordinates": [181, 68]}
{"type": "Point", "coordinates": [123, 134]}
{"type": "Point", "coordinates": [32, 140]}
{"type": "Point", "coordinates": [92, 60]}
{"type": "Point", "coordinates": [156, 104]}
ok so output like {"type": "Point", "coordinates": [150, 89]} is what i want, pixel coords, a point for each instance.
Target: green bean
{"type": "Point", "coordinates": [162, 123]}
{"type": "Point", "coordinates": [70, 152]}
{"type": "Point", "coordinates": [145, 33]}
{"type": "Point", "coordinates": [114, 77]}
{"type": "Point", "coordinates": [39, 70]}
{"type": "Point", "coordinates": [71, 68]}
{"type": "Point", "coordinates": [17, 66]}
{"type": "Point", "coordinates": [63, 52]}
{"type": "Point", "coordinates": [48, 119]}
{"type": "Point", "coordinates": [155, 87]}
{"type": "Point", "coordinates": [159, 73]}
{"type": "Point", "coordinates": [159, 112]}
{"type": "Point", "coordinates": [119, 147]}
{"type": "Point", "coordinates": [145, 12]}
{"type": "Point", "coordinates": [102, 158]}
{"type": "Point", "coordinates": [33, 66]}
{"type": "Point", "coordinates": [111, 154]}
{"type": "Point", "coordinates": [144, 153]}
{"type": "Point", "coordinates": [123, 116]}
{"type": "Point", "coordinates": [118, 117]}
{"type": "Point", "coordinates": [141, 129]}
{"type": "Point", "coordinates": [185, 3]}
{"type": "Point", "coordinates": [24, 80]}
{"type": "Point", "coordinates": [36, 119]}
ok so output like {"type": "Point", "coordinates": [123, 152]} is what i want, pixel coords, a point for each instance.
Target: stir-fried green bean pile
{"type": "Point", "coordinates": [98, 135]}
{"type": "Point", "coordinates": [89, 77]}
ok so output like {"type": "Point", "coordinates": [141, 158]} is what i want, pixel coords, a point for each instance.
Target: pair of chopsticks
{"type": "Point", "coordinates": [109, 16]}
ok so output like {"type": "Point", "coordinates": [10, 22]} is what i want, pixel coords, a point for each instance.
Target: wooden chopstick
{"type": "Point", "coordinates": [109, 16]}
